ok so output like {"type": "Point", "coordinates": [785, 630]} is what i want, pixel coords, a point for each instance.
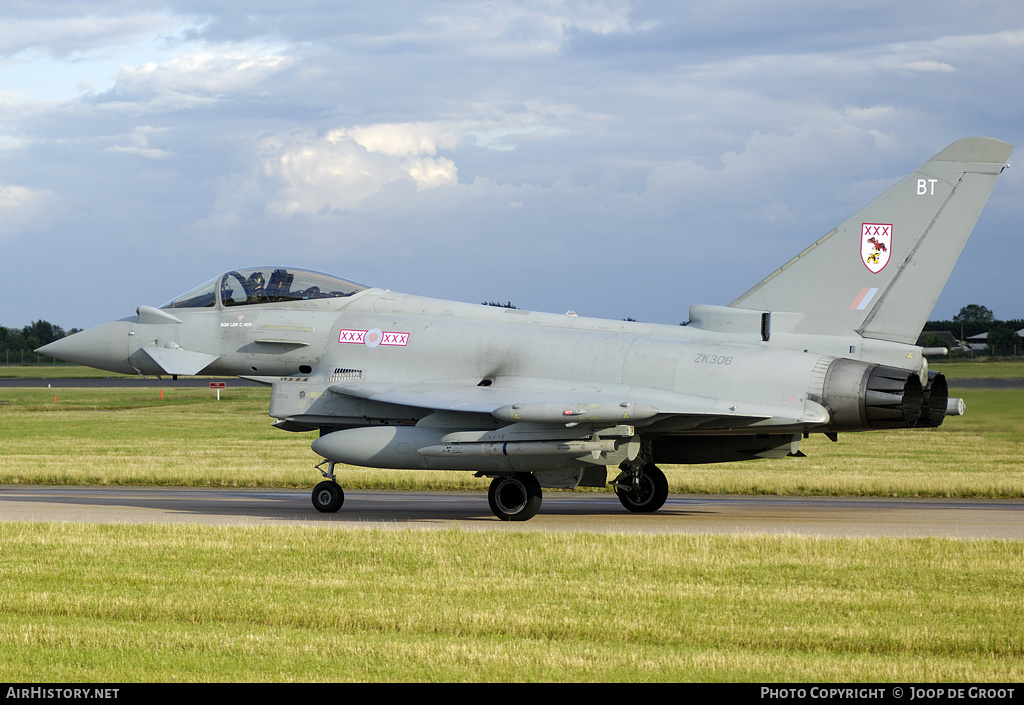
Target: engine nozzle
{"type": "Point", "coordinates": [861, 396]}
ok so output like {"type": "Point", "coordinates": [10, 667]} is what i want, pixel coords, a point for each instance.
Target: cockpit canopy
{"type": "Point", "coordinates": [254, 286]}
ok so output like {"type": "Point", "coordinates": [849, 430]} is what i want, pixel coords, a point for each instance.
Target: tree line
{"type": "Point", "coordinates": [975, 319]}
{"type": "Point", "coordinates": [17, 345]}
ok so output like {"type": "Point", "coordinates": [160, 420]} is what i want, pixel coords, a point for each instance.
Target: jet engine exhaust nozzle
{"type": "Point", "coordinates": [861, 396]}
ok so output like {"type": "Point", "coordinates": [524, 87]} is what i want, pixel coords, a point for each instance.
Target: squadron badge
{"type": "Point", "coordinates": [875, 245]}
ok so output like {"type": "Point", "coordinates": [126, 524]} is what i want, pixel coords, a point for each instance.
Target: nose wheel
{"type": "Point", "coordinates": [328, 495]}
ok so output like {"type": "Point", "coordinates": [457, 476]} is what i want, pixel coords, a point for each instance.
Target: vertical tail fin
{"type": "Point", "coordinates": [880, 273]}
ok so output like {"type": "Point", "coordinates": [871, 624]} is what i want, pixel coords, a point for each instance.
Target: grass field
{"type": "Point", "coordinates": [996, 369]}
{"type": "Point", "coordinates": [58, 371]}
{"type": "Point", "coordinates": [194, 603]}
{"type": "Point", "coordinates": [191, 603]}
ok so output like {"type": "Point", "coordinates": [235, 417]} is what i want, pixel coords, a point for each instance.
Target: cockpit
{"type": "Point", "coordinates": [265, 285]}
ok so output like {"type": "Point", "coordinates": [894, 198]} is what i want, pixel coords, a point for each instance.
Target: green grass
{"type": "Point", "coordinates": [195, 603]}
{"type": "Point", "coordinates": [57, 371]}
{"type": "Point", "coordinates": [995, 369]}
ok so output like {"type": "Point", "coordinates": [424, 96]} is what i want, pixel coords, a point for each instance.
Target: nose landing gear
{"type": "Point", "coordinates": [328, 495]}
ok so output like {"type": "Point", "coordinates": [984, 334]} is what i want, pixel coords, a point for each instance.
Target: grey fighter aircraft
{"type": "Point", "coordinates": [825, 344]}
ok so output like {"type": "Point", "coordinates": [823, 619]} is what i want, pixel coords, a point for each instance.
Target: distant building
{"type": "Point", "coordinates": [948, 339]}
{"type": "Point", "coordinates": [977, 343]}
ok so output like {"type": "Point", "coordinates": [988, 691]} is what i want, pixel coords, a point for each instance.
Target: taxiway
{"type": "Point", "coordinates": [593, 512]}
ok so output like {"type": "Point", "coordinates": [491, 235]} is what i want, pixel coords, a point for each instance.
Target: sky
{"type": "Point", "coordinates": [617, 158]}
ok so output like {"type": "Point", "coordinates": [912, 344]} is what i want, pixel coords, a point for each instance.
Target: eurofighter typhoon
{"type": "Point", "coordinates": [825, 344]}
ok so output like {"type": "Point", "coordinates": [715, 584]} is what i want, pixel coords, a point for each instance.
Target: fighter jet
{"type": "Point", "coordinates": [824, 344]}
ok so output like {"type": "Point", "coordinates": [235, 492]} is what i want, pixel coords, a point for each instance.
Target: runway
{"type": "Point", "coordinates": [561, 511]}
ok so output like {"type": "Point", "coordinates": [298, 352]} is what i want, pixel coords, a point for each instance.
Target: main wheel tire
{"type": "Point", "coordinates": [649, 495]}
{"type": "Point", "coordinates": [328, 497]}
{"type": "Point", "coordinates": [515, 498]}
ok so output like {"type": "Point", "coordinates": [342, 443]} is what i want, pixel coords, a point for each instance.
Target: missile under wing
{"type": "Point", "coordinates": [825, 344]}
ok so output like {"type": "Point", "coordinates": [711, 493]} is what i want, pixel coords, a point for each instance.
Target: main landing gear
{"type": "Point", "coordinates": [641, 487]}
{"type": "Point", "coordinates": [514, 497]}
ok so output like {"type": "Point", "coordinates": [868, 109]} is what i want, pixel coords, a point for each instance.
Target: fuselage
{"type": "Point", "coordinates": [375, 336]}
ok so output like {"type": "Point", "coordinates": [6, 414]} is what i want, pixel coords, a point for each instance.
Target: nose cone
{"type": "Point", "coordinates": [104, 347]}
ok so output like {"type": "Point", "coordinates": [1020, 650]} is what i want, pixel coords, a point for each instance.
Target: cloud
{"type": "Point", "coordinates": [399, 139]}
{"type": "Point", "coordinates": [138, 144]}
{"type": "Point", "coordinates": [198, 79]}
{"type": "Point", "coordinates": [23, 208]}
{"type": "Point", "coordinates": [63, 37]}
{"type": "Point", "coordinates": [338, 172]}
{"type": "Point", "coordinates": [927, 66]}
{"type": "Point", "coordinates": [318, 176]}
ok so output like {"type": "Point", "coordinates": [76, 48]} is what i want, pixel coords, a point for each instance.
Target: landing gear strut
{"type": "Point", "coordinates": [515, 497]}
{"type": "Point", "coordinates": [328, 495]}
{"type": "Point", "coordinates": [641, 487]}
